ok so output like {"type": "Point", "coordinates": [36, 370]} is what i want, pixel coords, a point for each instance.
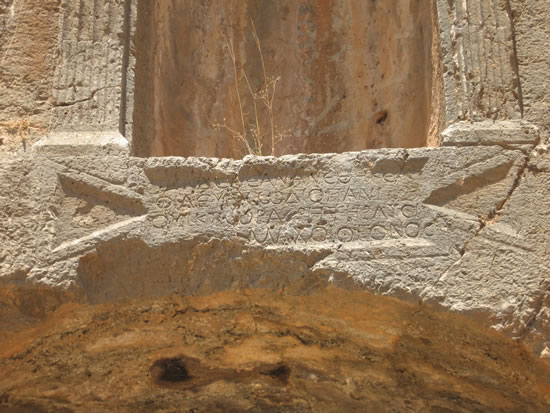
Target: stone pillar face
{"type": "Point", "coordinates": [480, 78]}
{"type": "Point", "coordinates": [88, 82]}
{"type": "Point", "coordinates": [91, 79]}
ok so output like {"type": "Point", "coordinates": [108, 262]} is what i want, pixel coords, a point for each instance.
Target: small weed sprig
{"type": "Point", "coordinates": [250, 133]}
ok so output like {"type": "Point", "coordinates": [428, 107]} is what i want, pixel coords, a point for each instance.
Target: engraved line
{"type": "Point", "coordinates": [75, 247]}
{"type": "Point", "coordinates": [125, 66]}
{"type": "Point", "coordinates": [483, 59]}
{"type": "Point", "coordinates": [100, 186]}
{"type": "Point", "coordinates": [94, 22]}
{"type": "Point", "coordinates": [81, 17]}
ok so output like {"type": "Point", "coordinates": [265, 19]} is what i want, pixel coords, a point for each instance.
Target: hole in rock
{"type": "Point", "coordinates": [170, 370]}
{"type": "Point", "coordinates": [339, 76]}
{"type": "Point", "coordinates": [281, 373]}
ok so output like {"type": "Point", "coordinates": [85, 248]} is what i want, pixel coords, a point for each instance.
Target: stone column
{"type": "Point", "coordinates": [481, 87]}
{"type": "Point", "coordinates": [94, 78]}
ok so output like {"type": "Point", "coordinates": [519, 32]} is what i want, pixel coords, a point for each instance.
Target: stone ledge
{"type": "Point", "coordinates": [520, 135]}
{"type": "Point", "coordinates": [82, 144]}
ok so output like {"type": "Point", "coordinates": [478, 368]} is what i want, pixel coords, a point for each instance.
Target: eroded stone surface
{"type": "Point", "coordinates": [478, 55]}
{"type": "Point", "coordinates": [445, 225]}
{"type": "Point", "coordinates": [89, 79]}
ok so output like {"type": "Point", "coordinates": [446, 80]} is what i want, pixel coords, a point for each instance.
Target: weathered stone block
{"type": "Point", "coordinates": [443, 225]}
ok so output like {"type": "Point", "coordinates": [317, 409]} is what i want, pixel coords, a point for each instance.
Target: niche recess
{"type": "Point", "coordinates": [354, 74]}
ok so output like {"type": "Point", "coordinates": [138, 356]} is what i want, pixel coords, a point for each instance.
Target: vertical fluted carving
{"type": "Point", "coordinates": [478, 61]}
{"type": "Point", "coordinates": [90, 78]}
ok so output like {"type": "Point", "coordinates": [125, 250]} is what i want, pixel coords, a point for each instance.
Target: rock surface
{"type": "Point", "coordinates": [463, 227]}
{"type": "Point", "coordinates": [353, 75]}
{"type": "Point", "coordinates": [258, 351]}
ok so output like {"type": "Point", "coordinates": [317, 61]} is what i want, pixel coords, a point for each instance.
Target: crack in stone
{"type": "Point", "coordinates": [536, 311]}
{"type": "Point", "coordinates": [484, 222]}
{"type": "Point", "coordinates": [86, 99]}
{"type": "Point", "coordinates": [449, 267]}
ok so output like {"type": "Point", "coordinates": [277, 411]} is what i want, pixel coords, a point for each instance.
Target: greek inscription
{"type": "Point", "coordinates": [272, 214]}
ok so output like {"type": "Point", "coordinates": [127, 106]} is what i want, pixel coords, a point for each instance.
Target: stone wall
{"type": "Point", "coordinates": [463, 226]}
{"type": "Point", "coordinates": [474, 43]}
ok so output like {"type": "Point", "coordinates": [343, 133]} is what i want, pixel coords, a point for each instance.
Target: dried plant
{"type": "Point", "coordinates": [250, 133]}
{"type": "Point", "coordinates": [21, 128]}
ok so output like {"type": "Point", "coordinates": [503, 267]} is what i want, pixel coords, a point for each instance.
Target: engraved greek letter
{"type": "Point", "coordinates": [378, 232]}
{"type": "Point", "coordinates": [409, 210]}
{"type": "Point", "coordinates": [319, 234]}
{"type": "Point", "coordinates": [428, 229]}
{"type": "Point", "coordinates": [412, 230]}
{"type": "Point", "coordinates": [345, 234]}
{"type": "Point", "coordinates": [246, 217]}
{"type": "Point", "coordinates": [160, 221]}
{"type": "Point", "coordinates": [349, 194]}
{"type": "Point", "coordinates": [315, 195]}
{"type": "Point", "coordinates": [164, 202]}
{"type": "Point", "coordinates": [292, 198]}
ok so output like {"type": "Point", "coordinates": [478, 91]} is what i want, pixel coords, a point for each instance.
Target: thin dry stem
{"type": "Point", "coordinates": [257, 131]}
{"type": "Point", "coordinates": [234, 60]}
{"type": "Point", "coordinates": [268, 85]}
{"type": "Point", "coordinates": [21, 127]}
{"type": "Point", "coordinates": [252, 136]}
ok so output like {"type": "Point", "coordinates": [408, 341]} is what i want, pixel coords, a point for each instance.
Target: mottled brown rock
{"type": "Point", "coordinates": [256, 351]}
